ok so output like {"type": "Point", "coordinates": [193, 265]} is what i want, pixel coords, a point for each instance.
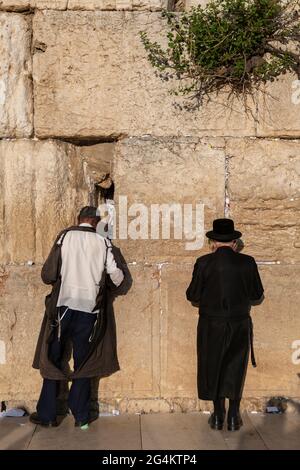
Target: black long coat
{"type": "Point", "coordinates": [224, 285]}
{"type": "Point", "coordinates": [102, 359]}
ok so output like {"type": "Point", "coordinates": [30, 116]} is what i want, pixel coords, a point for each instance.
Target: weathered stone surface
{"type": "Point", "coordinates": [264, 195]}
{"type": "Point", "coordinates": [179, 329]}
{"type": "Point", "coordinates": [85, 5]}
{"type": "Point", "coordinates": [97, 163]}
{"type": "Point", "coordinates": [110, 89]}
{"type": "Point", "coordinates": [152, 5]}
{"type": "Point", "coordinates": [137, 318]}
{"type": "Point", "coordinates": [21, 307]}
{"type": "Point", "coordinates": [152, 172]}
{"type": "Point", "coordinates": [15, 76]}
{"type": "Point", "coordinates": [279, 108]}
{"type": "Point", "coordinates": [49, 4]}
{"type": "Point", "coordinates": [42, 187]}
{"type": "Point", "coordinates": [138, 333]}
{"type": "Point", "coordinates": [93, 5]}
{"type": "Point", "coordinates": [276, 327]}
{"type": "Point", "coordinates": [157, 342]}
{"type": "Point", "coordinates": [15, 5]}
{"type": "Point", "coordinates": [87, 94]}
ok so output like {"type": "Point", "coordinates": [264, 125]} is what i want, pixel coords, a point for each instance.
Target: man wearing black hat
{"type": "Point", "coordinates": [77, 268]}
{"type": "Point", "coordinates": [225, 284]}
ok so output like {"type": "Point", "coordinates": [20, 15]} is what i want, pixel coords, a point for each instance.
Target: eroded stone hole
{"type": "Point", "coordinates": [39, 46]}
{"type": "Point", "coordinates": [90, 141]}
{"type": "Point", "coordinates": [98, 170]}
{"type": "Point", "coordinates": [103, 190]}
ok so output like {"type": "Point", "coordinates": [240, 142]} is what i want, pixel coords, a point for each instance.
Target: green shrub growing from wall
{"type": "Point", "coordinates": [233, 45]}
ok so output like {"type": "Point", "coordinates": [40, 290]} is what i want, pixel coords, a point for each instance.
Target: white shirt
{"type": "Point", "coordinates": [83, 257]}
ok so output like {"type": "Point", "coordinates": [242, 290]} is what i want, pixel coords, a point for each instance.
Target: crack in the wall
{"type": "Point", "coordinates": [34, 211]}
{"type": "Point", "coordinates": [13, 325]}
{"type": "Point", "coordinates": [31, 77]}
{"type": "Point", "coordinates": [159, 268]}
{"type": "Point", "coordinates": [86, 141]}
{"type": "Point", "coordinates": [38, 47]}
{"type": "Point", "coordinates": [3, 278]}
{"type": "Point", "coordinates": [226, 189]}
{"type": "Point", "coordinates": [94, 140]}
{"type": "Point", "coordinates": [292, 138]}
{"type": "Point", "coordinates": [256, 117]}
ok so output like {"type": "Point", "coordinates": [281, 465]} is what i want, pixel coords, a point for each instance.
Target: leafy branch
{"type": "Point", "coordinates": [229, 45]}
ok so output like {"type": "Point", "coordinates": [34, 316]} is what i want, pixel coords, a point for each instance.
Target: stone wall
{"type": "Point", "coordinates": [79, 99]}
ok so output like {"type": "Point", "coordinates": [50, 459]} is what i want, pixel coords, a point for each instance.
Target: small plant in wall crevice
{"type": "Point", "coordinates": [228, 45]}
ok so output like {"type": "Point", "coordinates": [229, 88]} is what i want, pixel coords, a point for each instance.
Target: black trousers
{"type": "Point", "coordinates": [223, 346]}
{"type": "Point", "coordinates": [77, 326]}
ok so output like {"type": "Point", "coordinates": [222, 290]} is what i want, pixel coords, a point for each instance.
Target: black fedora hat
{"type": "Point", "coordinates": [223, 231]}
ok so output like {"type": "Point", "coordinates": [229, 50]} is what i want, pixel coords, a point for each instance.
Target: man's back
{"type": "Point", "coordinates": [83, 259]}
{"type": "Point", "coordinates": [225, 283]}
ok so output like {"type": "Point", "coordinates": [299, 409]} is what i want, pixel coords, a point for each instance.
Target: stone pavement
{"type": "Point", "coordinates": [154, 432]}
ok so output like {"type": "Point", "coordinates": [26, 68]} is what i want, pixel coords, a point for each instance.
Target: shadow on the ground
{"type": "Point", "coordinates": [277, 431]}
{"type": "Point", "coordinates": [15, 433]}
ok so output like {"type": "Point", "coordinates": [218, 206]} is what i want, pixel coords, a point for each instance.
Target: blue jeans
{"type": "Point", "coordinates": [75, 326]}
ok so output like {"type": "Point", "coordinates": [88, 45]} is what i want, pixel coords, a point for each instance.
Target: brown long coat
{"type": "Point", "coordinates": [102, 359]}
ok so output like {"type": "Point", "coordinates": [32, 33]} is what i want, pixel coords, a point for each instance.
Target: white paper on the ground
{"type": "Point", "coordinates": [12, 413]}
{"type": "Point", "coordinates": [272, 409]}
{"type": "Point", "coordinates": [112, 413]}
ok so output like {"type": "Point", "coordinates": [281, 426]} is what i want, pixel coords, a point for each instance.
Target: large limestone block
{"type": "Point", "coordinates": [264, 192]}
{"type": "Point", "coordinates": [276, 330]}
{"type": "Point", "coordinates": [178, 334]}
{"type": "Point", "coordinates": [16, 106]}
{"type": "Point", "coordinates": [138, 330]}
{"type": "Point", "coordinates": [178, 173]}
{"type": "Point", "coordinates": [152, 5]}
{"type": "Point", "coordinates": [138, 333]}
{"type": "Point", "coordinates": [85, 5]}
{"type": "Point", "coordinates": [93, 79]}
{"type": "Point", "coordinates": [42, 187]}
{"type": "Point", "coordinates": [49, 4]}
{"type": "Point", "coordinates": [22, 308]}
{"type": "Point", "coordinates": [43, 184]}
{"type": "Point", "coordinates": [279, 108]}
{"type": "Point", "coordinates": [14, 5]}
{"type": "Point", "coordinates": [92, 5]}
{"type": "Point", "coordinates": [154, 340]}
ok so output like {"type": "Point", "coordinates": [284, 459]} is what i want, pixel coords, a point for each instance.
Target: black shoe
{"type": "Point", "coordinates": [216, 422]}
{"type": "Point", "coordinates": [79, 424]}
{"type": "Point", "coordinates": [234, 422]}
{"type": "Point", "coordinates": [34, 418]}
